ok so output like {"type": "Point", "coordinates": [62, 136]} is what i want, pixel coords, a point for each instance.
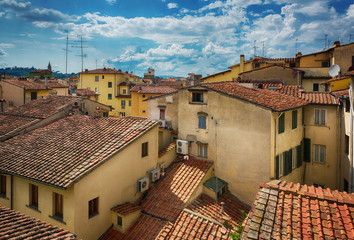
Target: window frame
{"type": "Point", "coordinates": [145, 149]}
{"type": "Point", "coordinates": [162, 113]}
{"type": "Point", "coordinates": [197, 97]}
{"type": "Point", "coordinates": [202, 121]}
{"type": "Point", "coordinates": [316, 87]}
{"type": "Point", "coordinates": [109, 96]}
{"type": "Point", "coordinates": [130, 102]}
{"type": "Point", "coordinates": [3, 185]}
{"type": "Point", "coordinates": [110, 84]}
{"type": "Point", "coordinates": [58, 209]}
{"type": "Point", "coordinates": [294, 119]}
{"type": "Point", "coordinates": [119, 221]}
{"type": "Point", "coordinates": [318, 151]}
{"type": "Point", "coordinates": [34, 96]}
{"type": "Point", "coordinates": [93, 206]}
{"type": "Point", "coordinates": [281, 124]}
{"type": "Point", "coordinates": [33, 196]}
{"type": "Point", "coordinates": [97, 78]}
{"type": "Point", "coordinates": [203, 150]}
{"type": "Point", "coordinates": [124, 91]}
{"type": "Point", "coordinates": [320, 121]}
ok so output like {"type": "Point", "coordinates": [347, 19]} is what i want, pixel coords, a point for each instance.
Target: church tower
{"type": "Point", "coordinates": [49, 67]}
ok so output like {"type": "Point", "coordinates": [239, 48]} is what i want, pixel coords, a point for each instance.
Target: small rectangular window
{"type": "Point", "coordinates": [294, 120]}
{"type": "Point", "coordinates": [97, 78]}
{"type": "Point", "coordinates": [102, 76]}
{"type": "Point", "coordinates": [122, 102]}
{"type": "Point", "coordinates": [122, 114]}
{"type": "Point", "coordinates": [105, 114]}
{"type": "Point", "coordinates": [33, 195]}
{"type": "Point", "coordinates": [144, 149]}
{"type": "Point", "coordinates": [109, 84]}
{"type": "Point", "coordinates": [197, 97]}
{"type": "Point", "coordinates": [33, 96]}
{"type": "Point", "coordinates": [203, 150]}
{"type": "Point", "coordinates": [130, 102]}
{"type": "Point", "coordinates": [3, 185]}
{"type": "Point", "coordinates": [292, 64]}
{"type": "Point", "coordinates": [256, 65]}
{"type": "Point", "coordinates": [325, 64]}
{"type": "Point", "coordinates": [162, 114]}
{"type": "Point", "coordinates": [320, 116]}
{"type": "Point", "coordinates": [315, 87]}
{"type": "Point", "coordinates": [93, 207]}
{"type": "Point", "coordinates": [281, 123]}
{"type": "Point", "coordinates": [347, 105]}
{"type": "Point", "coordinates": [109, 96]}
{"type": "Point", "coordinates": [124, 91]}
{"type": "Point", "coordinates": [201, 122]}
{"type": "Point", "coordinates": [119, 221]}
{"type": "Point", "coordinates": [58, 205]}
{"type": "Point", "coordinates": [346, 144]}
{"type": "Point", "coordinates": [319, 153]}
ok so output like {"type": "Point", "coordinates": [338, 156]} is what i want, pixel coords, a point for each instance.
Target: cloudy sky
{"type": "Point", "coordinates": [175, 37]}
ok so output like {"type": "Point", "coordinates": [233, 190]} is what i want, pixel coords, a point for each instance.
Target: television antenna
{"type": "Point", "coordinates": [334, 70]}
{"type": "Point", "coordinates": [81, 46]}
{"type": "Point", "coordinates": [66, 49]}
{"type": "Point", "coordinates": [254, 48]}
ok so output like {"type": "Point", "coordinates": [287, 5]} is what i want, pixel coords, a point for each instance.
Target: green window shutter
{"type": "Point", "coordinates": [281, 123]}
{"type": "Point", "coordinates": [290, 164]}
{"type": "Point", "coordinates": [307, 150]}
{"type": "Point", "coordinates": [303, 116]}
{"type": "Point", "coordinates": [294, 119]}
{"type": "Point", "coordinates": [298, 155]}
{"type": "Point", "coordinates": [286, 162]}
{"type": "Point", "coordinates": [277, 167]}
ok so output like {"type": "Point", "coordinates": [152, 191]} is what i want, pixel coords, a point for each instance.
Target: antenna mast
{"type": "Point", "coordinates": [263, 48]}
{"type": "Point", "coordinates": [66, 49]}
{"type": "Point", "coordinates": [254, 48]}
{"type": "Point", "coordinates": [82, 55]}
{"type": "Point", "coordinates": [296, 46]}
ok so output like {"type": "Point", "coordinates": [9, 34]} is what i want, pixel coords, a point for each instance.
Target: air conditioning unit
{"type": "Point", "coordinates": [162, 123]}
{"type": "Point", "coordinates": [143, 184]}
{"type": "Point", "coordinates": [154, 175]}
{"type": "Point", "coordinates": [182, 147]}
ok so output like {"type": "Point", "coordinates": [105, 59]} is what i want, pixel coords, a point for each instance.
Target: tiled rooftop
{"type": "Point", "coordinates": [292, 211]}
{"type": "Point", "coordinates": [264, 60]}
{"type": "Point", "coordinates": [208, 207]}
{"type": "Point", "coordinates": [341, 93]}
{"type": "Point", "coordinates": [324, 98]}
{"type": "Point", "coordinates": [27, 84]}
{"type": "Point", "coordinates": [125, 208]}
{"type": "Point", "coordinates": [42, 107]}
{"type": "Point", "coordinates": [15, 225]}
{"type": "Point", "coordinates": [85, 92]}
{"type": "Point", "coordinates": [102, 71]}
{"type": "Point", "coordinates": [167, 198]}
{"type": "Point", "coordinates": [12, 123]}
{"type": "Point", "coordinates": [42, 154]}
{"type": "Point", "coordinates": [267, 98]}
{"type": "Point", "coordinates": [336, 79]}
{"type": "Point", "coordinates": [166, 149]}
{"type": "Point", "coordinates": [153, 89]}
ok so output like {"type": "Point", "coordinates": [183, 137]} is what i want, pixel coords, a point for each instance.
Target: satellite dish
{"type": "Point", "coordinates": [334, 70]}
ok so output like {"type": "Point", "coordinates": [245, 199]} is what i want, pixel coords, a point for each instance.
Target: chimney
{"type": "Point", "coordinates": [222, 207]}
{"type": "Point", "coordinates": [242, 63]}
{"type": "Point", "coordinates": [336, 44]}
{"type": "Point", "coordinates": [299, 54]}
{"type": "Point", "coordinates": [46, 82]}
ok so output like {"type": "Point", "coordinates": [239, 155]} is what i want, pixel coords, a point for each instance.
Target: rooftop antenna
{"type": "Point", "coordinates": [254, 48]}
{"type": "Point", "coordinates": [296, 46]}
{"type": "Point", "coordinates": [263, 48]}
{"type": "Point", "coordinates": [325, 41]}
{"type": "Point", "coordinates": [66, 49]}
{"type": "Point", "coordinates": [82, 55]}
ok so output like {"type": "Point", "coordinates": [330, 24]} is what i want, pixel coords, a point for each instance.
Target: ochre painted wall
{"type": "Point", "coordinates": [139, 106]}
{"type": "Point", "coordinates": [12, 93]}
{"type": "Point", "coordinates": [40, 94]}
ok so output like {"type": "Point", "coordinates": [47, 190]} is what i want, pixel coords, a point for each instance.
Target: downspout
{"type": "Point", "coordinates": [338, 149]}
{"type": "Point", "coordinates": [275, 137]}
{"type": "Point", "coordinates": [303, 146]}
{"type": "Point", "coordinates": [351, 139]}
{"type": "Point", "coordinates": [12, 194]}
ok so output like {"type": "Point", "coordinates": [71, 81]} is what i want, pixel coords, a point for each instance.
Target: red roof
{"type": "Point", "coordinates": [320, 98]}
{"type": "Point", "coordinates": [15, 225]}
{"type": "Point", "coordinates": [341, 93]}
{"type": "Point", "coordinates": [125, 208]}
{"type": "Point", "coordinates": [10, 123]}
{"type": "Point", "coordinates": [267, 98]}
{"type": "Point", "coordinates": [85, 92]}
{"type": "Point", "coordinates": [102, 71]}
{"type": "Point", "coordinates": [42, 153]}
{"type": "Point", "coordinates": [153, 89]}
{"type": "Point", "coordinates": [166, 149]}
{"type": "Point", "coordinates": [351, 73]}
{"type": "Point", "coordinates": [26, 84]}
{"type": "Point", "coordinates": [267, 60]}
{"type": "Point", "coordinates": [292, 211]}
{"type": "Point", "coordinates": [336, 79]}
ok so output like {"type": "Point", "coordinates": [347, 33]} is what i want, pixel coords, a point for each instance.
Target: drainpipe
{"type": "Point", "coordinates": [275, 136]}
{"type": "Point", "coordinates": [351, 189]}
{"type": "Point", "coordinates": [12, 193]}
{"type": "Point", "coordinates": [338, 149]}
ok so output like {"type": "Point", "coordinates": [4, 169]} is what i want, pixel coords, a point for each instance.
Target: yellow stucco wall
{"type": "Point", "coordinates": [339, 84]}
{"type": "Point", "coordinates": [307, 85]}
{"type": "Point", "coordinates": [139, 106]}
{"type": "Point", "coordinates": [13, 94]}
{"type": "Point", "coordinates": [61, 91]}
{"type": "Point", "coordinates": [40, 94]}
{"type": "Point", "coordinates": [314, 60]}
{"type": "Point", "coordinates": [287, 75]}
{"type": "Point", "coordinates": [323, 173]}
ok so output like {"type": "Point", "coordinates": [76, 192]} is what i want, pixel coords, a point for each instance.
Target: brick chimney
{"type": "Point", "coordinates": [242, 63]}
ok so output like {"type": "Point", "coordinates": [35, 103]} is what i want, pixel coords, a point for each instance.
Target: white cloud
{"type": "Point", "coordinates": [111, 1]}
{"type": "Point", "coordinates": [6, 45]}
{"type": "Point", "coordinates": [350, 11]}
{"type": "Point", "coordinates": [2, 53]}
{"type": "Point", "coordinates": [172, 5]}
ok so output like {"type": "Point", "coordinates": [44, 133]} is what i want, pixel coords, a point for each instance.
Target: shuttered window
{"type": "Point", "coordinates": [281, 124]}
{"type": "Point", "coordinates": [58, 205]}
{"type": "Point", "coordinates": [298, 155]}
{"type": "Point", "coordinates": [202, 122]}
{"type": "Point", "coordinates": [277, 167]}
{"type": "Point", "coordinates": [320, 116]}
{"type": "Point", "coordinates": [294, 158]}
{"type": "Point", "coordinates": [319, 153]}
{"type": "Point", "coordinates": [33, 195]}
{"type": "Point", "coordinates": [294, 119]}
{"type": "Point", "coordinates": [3, 185]}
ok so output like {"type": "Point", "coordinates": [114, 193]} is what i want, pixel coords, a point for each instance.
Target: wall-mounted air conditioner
{"type": "Point", "coordinates": [154, 175]}
{"type": "Point", "coordinates": [162, 123]}
{"type": "Point", "coordinates": [182, 147]}
{"type": "Point", "coordinates": [143, 184]}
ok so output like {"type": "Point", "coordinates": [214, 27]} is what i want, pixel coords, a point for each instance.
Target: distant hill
{"type": "Point", "coordinates": [25, 71]}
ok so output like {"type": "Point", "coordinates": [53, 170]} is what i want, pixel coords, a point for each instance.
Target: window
{"type": "Point", "coordinates": [105, 114]}
{"type": "Point", "coordinates": [346, 144]}
{"type": "Point", "coordinates": [319, 153]}
{"type": "Point", "coordinates": [197, 97]}
{"type": "Point", "coordinates": [294, 120]}
{"type": "Point", "coordinates": [109, 96]}
{"type": "Point", "coordinates": [97, 79]}
{"type": "Point", "coordinates": [256, 65]}
{"type": "Point", "coordinates": [33, 96]}
{"type": "Point", "coordinates": [58, 205]}
{"type": "Point", "coordinates": [122, 104]}
{"type": "Point", "coordinates": [93, 207]}
{"type": "Point", "coordinates": [130, 102]}
{"type": "Point", "coordinates": [201, 121]}
{"type": "Point", "coordinates": [162, 114]}
{"type": "Point", "coordinates": [2, 185]}
{"type": "Point", "coordinates": [143, 96]}
{"type": "Point", "coordinates": [144, 149]}
{"type": "Point", "coordinates": [33, 195]}
{"type": "Point", "coordinates": [124, 91]}
{"type": "Point", "coordinates": [325, 64]}
{"type": "Point", "coordinates": [119, 221]}
{"type": "Point", "coordinates": [320, 116]}
{"type": "Point", "coordinates": [347, 105]}
{"type": "Point", "coordinates": [109, 84]}
{"type": "Point", "coordinates": [294, 158]}
{"type": "Point", "coordinates": [122, 114]}
{"type": "Point", "coordinates": [315, 87]}
{"type": "Point", "coordinates": [203, 150]}
{"type": "Point", "coordinates": [281, 165]}
{"type": "Point", "coordinates": [281, 123]}
{"type": "Point", "coordinates": [126, 79]}
{"type": "Point", "coordinates": [102, 76]}
{"type": "Point", "coordinates": [292, 64]}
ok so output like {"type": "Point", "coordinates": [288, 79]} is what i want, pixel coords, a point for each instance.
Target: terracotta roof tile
{"type": "Point", "coordinates": [272, 60]}
{"type": "Point", "coordinates": [42, 107]}
{"type": "Point", "coordinates": [15, 225]}
{"type": "Point", "coordinates": [112, 234]}
{"type": "Point", "coordinates": [125, 209]}
{"type": "Point", "coordinates": [341, 93]}
{"type": "Point", "coordinates": [85, 92]}
{"type": "Point", "coordinates": [10, 124]}
{"type": "Point", "coordinates": [207, 206]}
{"type": "Point", "coordinates": [27, 84]}
{"type": "Point", "coordinates": [336, 79]}
{"type": "Point", "coordinates": [350, 73]}
{"type": "Point", "coordinates": [153, 89]}
{"type": "Point", "coordinates": [42, 154]}
{"type": "Point", "coordinates": [287, 210]}
{"type": "Point", "coordinates": [267, 98]}
{"type": "Point", "coordinates": [102, 71]}
{"type": "Point", "coordinates": [320, 98]}
{"type": "Point", "coordinates": [166, 149]}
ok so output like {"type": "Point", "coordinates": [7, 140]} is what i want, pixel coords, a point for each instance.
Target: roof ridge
{"type": "Point", "coordinates": [202, 216]}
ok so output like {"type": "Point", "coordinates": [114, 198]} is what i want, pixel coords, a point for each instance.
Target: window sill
{"type": "Point", "coordinates": [59, 219]}
{"type": "Point", "coordinates": [4, 196]}
{"type": "Point", "coordinates": [198, 103]}
{"type": "Point", "coordinates": [34, 208]}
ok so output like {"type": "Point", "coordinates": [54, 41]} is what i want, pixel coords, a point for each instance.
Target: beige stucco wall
{"type": "Point", "coordinates": [114, 182]}
{"type": "Point", "coordinates": [343, 57]}
{"type": "Point", "coordinates": [13, 94]}
{"type": "Point", "coordinates": [328, 135]}
{"type": "Point", "coordinates": [6, 200]}
{"type": "Point", "coordinates": [307, 84]}
{"type": "Point", "coordinates": [287, 75]}
{"type": "Point", "coordinates": [344, 158]}
{"type": "Point", "coordinates": [126, 220]}
{"type": "Point", "coordinates": [40, 94]}
{"type": "Point", "coordinates": [170, 104]}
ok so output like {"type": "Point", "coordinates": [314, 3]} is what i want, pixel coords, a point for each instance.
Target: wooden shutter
{"type": "Point", "coordinates": [286, 162]}
{"type": "Point", "coordinates": [298, 154]}
{"type": "Point", "coordinates": [307, 150]}
{"type": "Point", "coordinates": [294, 119]}
{"type": "Point", "coordinates": [290, 159]}
{"type": "Point", "coordinates": [277, 167]}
